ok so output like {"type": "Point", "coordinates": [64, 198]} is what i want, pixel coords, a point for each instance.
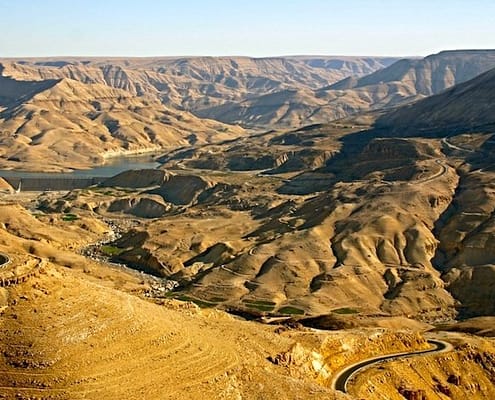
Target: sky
{"type": "Point", "coordinates": [258, 28]}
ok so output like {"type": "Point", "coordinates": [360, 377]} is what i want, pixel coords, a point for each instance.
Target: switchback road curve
{"type": "Point", "coordinates": [342, 378]}
{"type": "Point", "coordinates": [4, 260]}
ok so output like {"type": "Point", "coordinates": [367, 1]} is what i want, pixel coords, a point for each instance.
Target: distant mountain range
{"type": "Point", "coordinates": [467, 107]}
{"type": "Point", "coordinates": [75, 111]}
{"type": "Point", "coordinates": [402, 82]}
{"type": "Point", "coordinates": [199, 83]}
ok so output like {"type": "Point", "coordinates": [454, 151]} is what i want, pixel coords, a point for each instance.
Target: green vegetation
{"type": "Point", "coordinates": [111, 250]}
{"type": "Point", "coordinates": [260, 305]}
{"type": "Point", "coordinates": [217, 299]}
{"type": "Point", "coordinates": [203, 303]}
{"type": "Point", "coordinates": [198, 302]}
{"type": "Point", "coordinates": [345, 310]}
{"type": "Point", "coordinates": [69, 217]}
{"type": "Point", "coordinates": [291, 310]}
{"type": "Point", "coordinates": [261, 302]}
{"type": "Point", "coordinates": [181, 297]}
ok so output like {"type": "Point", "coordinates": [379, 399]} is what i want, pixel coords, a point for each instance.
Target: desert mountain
{"type": "Point", "coordinates": [359, 228]}
{"type": "Point", "coordinates": [459, 124]}
{"type": "Point", "coordinates": [429, 75]}
{"type": "Point", "coordinates": [193, 76]}
{"type": "Point", "coordinates": [404, 81]}
{"type": "Point", "coordinates": [76, 125]}
{"type": "Point", "coordinates": [467, 107]}
{"type": "Point", "coordinates": [201, 84]}
{"type": "Point", "coordinates": [258, 93]}
{"type": "Point", "coordinates": [75, 112]}
{"type": "Point", "coordinates": [406, 214]}
{"type": "Point", "coordinates": [463, 117]}
{"type": "Point", "coordinates": [327, 207]}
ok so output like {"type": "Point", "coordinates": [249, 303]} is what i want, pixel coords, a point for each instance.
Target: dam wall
{"type": "Point", "coordinates": [56, 183]}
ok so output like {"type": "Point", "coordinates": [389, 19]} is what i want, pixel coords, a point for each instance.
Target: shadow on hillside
{"type": "Point", "coordinates": [14, 92]}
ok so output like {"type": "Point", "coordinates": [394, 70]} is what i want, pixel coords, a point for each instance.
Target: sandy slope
{"type": "Point", "coordinates": [82, 340]}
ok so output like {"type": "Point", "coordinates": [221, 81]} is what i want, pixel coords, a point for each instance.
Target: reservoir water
{"type": "Point", "coordinates": [112, 167]}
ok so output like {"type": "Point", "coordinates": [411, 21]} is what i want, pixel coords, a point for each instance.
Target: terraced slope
{"type": "Point", "coordinates": [66, 337]}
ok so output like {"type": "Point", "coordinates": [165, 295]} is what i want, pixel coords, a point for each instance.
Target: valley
{"type": "Point", "coordinates": [245, 228]}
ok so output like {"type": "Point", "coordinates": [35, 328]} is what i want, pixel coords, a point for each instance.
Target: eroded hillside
{"type": "Point", "coordinates": [142, 285]}
{"type": "Point", "coordinates": [372, 235]}
{"type": "Point", "coordinates": [80, 328]}
{"type": "Point", "coordinates": [76, 112]}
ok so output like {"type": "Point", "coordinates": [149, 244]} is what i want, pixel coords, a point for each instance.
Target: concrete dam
{"type": "Point", "coordinates": [40, 184]}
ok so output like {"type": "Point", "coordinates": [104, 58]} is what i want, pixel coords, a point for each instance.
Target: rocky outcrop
{"type": "Point", "coordinates": [135, 254]}
{"type": "Point", "coordinates": [137, 179]}
{"type": "Point", "coordinates": [302, 362]}
{"type": "Point", "coordinates": [301, 160]}
{"type": "Point", "coordinates": [217, 254]}
{"type": "Point", "coordinates": [20, 271]}
{"type": "Point", "coordinates": [181, 189]}
{"type": "Point", "coordinates": [144, 206]}
{"type": "Point", "coordinates": [412, 394]}
{"type": "Point", "coordinates": [141, 206]}
{"type": "Point", "coordinates": [252, 162]}
{"type": "Point", "coordinates": [143, 260]}
{"type": "Point", "coordinates": [147, 207]}
{"type": "Point", "coordinates": [473, 287]}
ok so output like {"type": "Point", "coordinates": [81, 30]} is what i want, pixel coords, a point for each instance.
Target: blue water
{"type": "Point", "coordinates": [113, 167]}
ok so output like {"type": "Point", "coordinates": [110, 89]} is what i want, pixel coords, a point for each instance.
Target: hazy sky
{"type": "Point", "coordinates": [251, 27]}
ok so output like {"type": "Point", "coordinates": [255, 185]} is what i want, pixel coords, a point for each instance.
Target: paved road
{"type": "Point", "coordinates": [4, 260]}
{"type": "Point", "coordinates": [443, 170]}
{"type": "Point", "coordinates": [453, 146]}
{"type": "Point", "coordinates": [341, 380]}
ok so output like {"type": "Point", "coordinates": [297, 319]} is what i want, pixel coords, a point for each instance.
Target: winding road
{"type": "Point", "coordinates": [342, 378]}
{"type": "Point", "coordinates": [4, 260]}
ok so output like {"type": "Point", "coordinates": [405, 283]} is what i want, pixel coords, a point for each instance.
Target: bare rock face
{"type": "Point", "coordinates": [135, 253]}
{"type": "Point", "coordinates": [241, 162]}
{"type": "Point", "coordinates": [300, 361]}
{"type": "Point", "coordinates": [413, 394]}
{"type": "Point", "coordinates": [391, 159]}
{"type": "Point", "coordinates": [121, 205]}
